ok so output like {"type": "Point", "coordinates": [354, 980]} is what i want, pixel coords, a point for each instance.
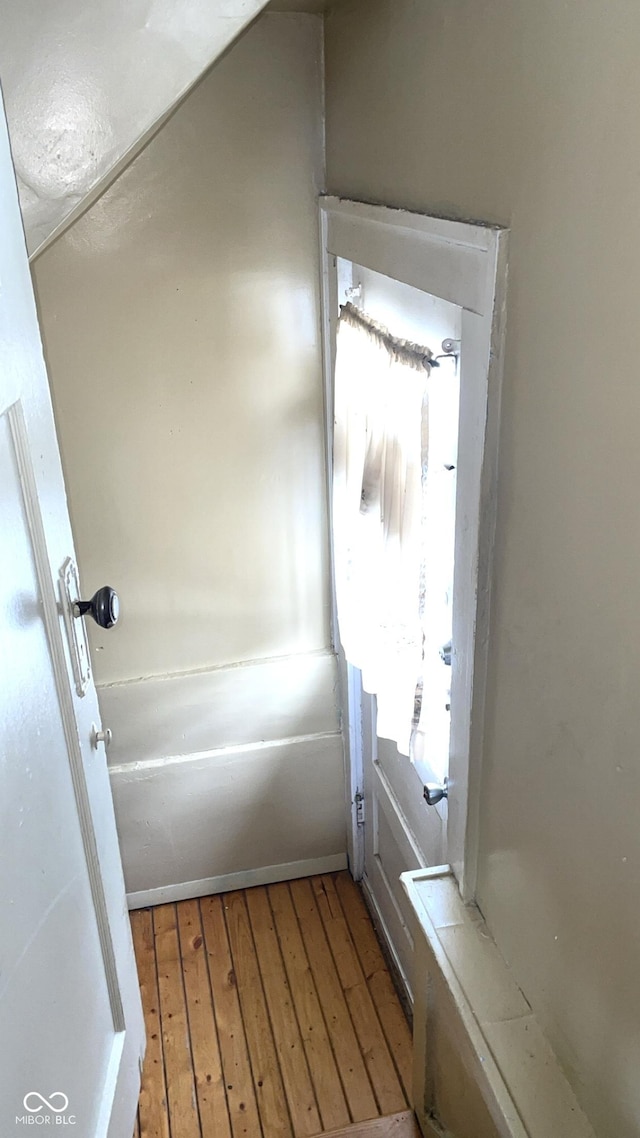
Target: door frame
{"type": "Point", "coordinates": [465, 264]}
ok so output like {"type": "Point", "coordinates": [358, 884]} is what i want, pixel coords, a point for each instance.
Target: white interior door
{"type": "Point", "coordinates": [71, 1034]}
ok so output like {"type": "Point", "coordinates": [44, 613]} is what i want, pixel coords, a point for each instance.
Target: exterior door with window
{"type": "Point", "coordinates": [426, 280]}
{"type": "Point", "coordinates": [400, 830]}
{"type": "Point", "coordinates": [71, 1027]}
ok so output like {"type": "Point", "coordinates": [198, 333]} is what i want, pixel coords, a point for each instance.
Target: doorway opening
{"type": "Point", "coordinates": [438, 284]}
{"type": "Point", "coordinates": [410, 485]}
{"type": "Point", "coordinates": [418, 317]}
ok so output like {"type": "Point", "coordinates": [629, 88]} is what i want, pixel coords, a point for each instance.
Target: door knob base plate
{"type": "Point", "coordinates": [76, 635]}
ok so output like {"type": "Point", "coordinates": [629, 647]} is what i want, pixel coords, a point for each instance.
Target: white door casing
{"type": "Point", "coordinates": [465, 265]}
{"type": "Point", "coordinates": [72, 1027]}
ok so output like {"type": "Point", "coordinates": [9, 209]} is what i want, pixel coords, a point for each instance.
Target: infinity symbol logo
{"type": "Point", "coordinates": [59, 1095]}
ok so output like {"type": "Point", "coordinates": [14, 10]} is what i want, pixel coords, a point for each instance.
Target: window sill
{"type": "Point", "coordinates": [501, 1079]}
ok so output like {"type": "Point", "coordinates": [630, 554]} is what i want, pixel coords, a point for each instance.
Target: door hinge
{"type": "Point", "coordinates": [359, 801]}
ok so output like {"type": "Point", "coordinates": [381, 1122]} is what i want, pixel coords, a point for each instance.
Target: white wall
{"type": "Point", "coordinates": [180, 317]}
{"type": "Point", "coordinates": [526, 115]}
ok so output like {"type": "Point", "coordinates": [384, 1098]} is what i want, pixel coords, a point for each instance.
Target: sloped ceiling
{"type": "Point", "coordinates": [87, 81]}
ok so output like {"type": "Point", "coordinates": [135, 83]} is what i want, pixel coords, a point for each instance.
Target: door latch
{"type": "Point", "coordinates": [100, 736]}
{"type": "Point", "coordinates": [359, 801]}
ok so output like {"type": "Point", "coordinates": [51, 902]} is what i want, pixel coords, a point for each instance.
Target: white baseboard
{"type": "Point", "coordinates": [266, 875]}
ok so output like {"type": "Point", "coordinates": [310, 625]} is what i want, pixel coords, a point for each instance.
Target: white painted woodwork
{"type": "Point", "coordinates": [445, 258]}
{"type": "Point", "coordinates": [224, 775]}
{"type": "Point", "coordinates": [70, 1009]}
{"type": "Point", "coordinates": [239, 879]}
{"type": "Point", "coordinates": [87, 84]}
{"type": "Point", "coordinates": [197, 818]}
{"type": "Point", "coordinates": [482, 1065]}
{"type": "Point", "coordinates": [400, 833]}
{"type": "Point", "coordinates": [490, 111]}
{"type": "Point", "coordinates": [198, 363]}
{"type": "Point", "coordinates": [464, 266]}
{"type": "Point", "coordinates": [194, 713]}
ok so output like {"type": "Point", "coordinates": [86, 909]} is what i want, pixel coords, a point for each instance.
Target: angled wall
{"type": "Point", "coordinates": [181, 324]}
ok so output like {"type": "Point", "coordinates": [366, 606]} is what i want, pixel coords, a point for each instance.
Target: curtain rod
{"type": "Point", "coordinates": [414, 354]}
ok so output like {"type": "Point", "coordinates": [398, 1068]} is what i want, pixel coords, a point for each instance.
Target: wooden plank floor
{"type": "Point", "coordinates": [270, 1013]}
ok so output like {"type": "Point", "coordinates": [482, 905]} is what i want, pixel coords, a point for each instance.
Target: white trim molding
{"type": "Point", "coordinates": [449, 259]}
{"type": "Point", "coordinates": [246, 879]}
{"type": "Point", "coordinates": [211, 816]}
{"type": "Point", "coordinates": [500, 1076]}
{"type": "Point", "coordinates": [466, 265]}
{"type": "Point", "coordinates": [219, 772]}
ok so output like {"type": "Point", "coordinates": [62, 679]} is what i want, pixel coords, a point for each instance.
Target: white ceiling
{"type": "Point", "coordinates": [86, 81]}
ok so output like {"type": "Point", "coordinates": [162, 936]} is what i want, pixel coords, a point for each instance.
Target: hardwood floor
{"type": "Point", "coordinates": [270, 1013]}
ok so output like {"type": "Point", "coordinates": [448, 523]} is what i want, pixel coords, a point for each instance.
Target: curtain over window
{"type": "Point", "coordinates": [380, 455]}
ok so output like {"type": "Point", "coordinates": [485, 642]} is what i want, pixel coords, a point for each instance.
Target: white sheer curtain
{"type": "Point", "coordinates": [380, 435]}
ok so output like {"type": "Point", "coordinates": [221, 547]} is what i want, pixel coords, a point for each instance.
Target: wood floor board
{"type": "Point", "coordinates": [330, 1096]}
{"type": "Point", "coordinates": [355, 1079]}
{"type": "Point", "coordinates": [390, 1013]}
{"type": "Point", "coordinates": [270, 1095]}
{"type": "Point", "coordinates": [270, 1013]}
{"type": "Point", "coordinates": [384, 1078]}
{"type": "Point", "coordinates": [234, 1053]}
{"type": "Point", "coordinates": [210, 1090]}
{"type": "Point", "coordinates": [152, 1108]}
{"type": "Point", "coordinates": [184, 1121]}
{"type": "Point", "coordinates": [299, 1089]}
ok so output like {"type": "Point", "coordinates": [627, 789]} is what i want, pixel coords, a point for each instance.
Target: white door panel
{"type": "Point", "coordinates": [50, 900]}
{"type": "Point", "coordinates": [387, 853]}
{"type": "Point", "coordinates": [71, 1030]}
{"type": "Point", "coordinates": [400, 833]}
{"type": "Point", "coordinates": [426, 825]}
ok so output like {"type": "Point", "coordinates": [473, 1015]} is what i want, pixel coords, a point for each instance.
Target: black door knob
{"type": "Point", "coordinates": [104, 607]}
